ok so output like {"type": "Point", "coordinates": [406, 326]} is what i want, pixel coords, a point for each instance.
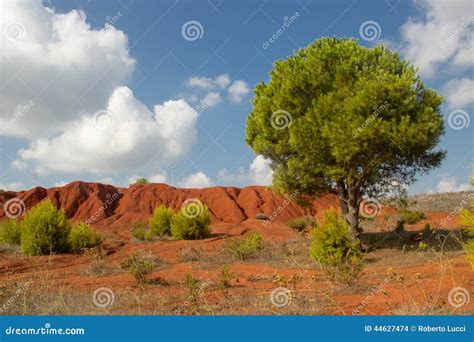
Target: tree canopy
{"type": "Point", "coordinates": [337, 116]}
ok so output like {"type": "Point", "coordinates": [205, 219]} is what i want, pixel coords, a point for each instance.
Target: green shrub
{"type": "Point", "coordinates": [44, 230]}
{"type": "Point", "coordinates": [300, 223]}
{"type": "Point", "coordinates": [82, 236]}
{"type": "Point", "coordinates": [243, 248]}
{"type": "Point", "coordinates": [412, 216]}
{"type": "Point", "coordinates": [140, 231]}
{"type": "Point", "coordinates": [225, 276]}
{"type": "Point", "coordinates": [191, 228]}
{"type": "Point", "coordinates": [160, 222]}
{"type": "Point", "coordinates": [194, 290]}
{"type": "Point", "coordinates": [142, 181]}
{"type": "Point", "coordinates": [10, 232]}
{"type": "Point", "coordinates": [140, 267]}
{"type": "Point", "coordinates": [333, 248]}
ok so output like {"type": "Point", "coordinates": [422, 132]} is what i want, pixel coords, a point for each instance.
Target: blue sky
{"type": "Point", "coordinates": [157, 62]}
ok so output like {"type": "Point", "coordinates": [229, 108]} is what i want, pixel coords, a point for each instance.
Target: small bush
{"type": "Point", "coordinates": [299, 224]}
{"type": "Point", "coordinates": [44, 230]}
{"type": "Point", "coordinates": [140, 231]}
{"type": "Point", "coordinates": [82, 236]}
{"type": "Point", "coordinates": [193, 287]}
{"type": "Point", "coordinates": [142, 181]}
{"type": "Point", "coordinates": [225, 276]}
{"type": "Point", "coordinates": [140, 267]}
{"type": "Point", "coordinates": [400, 227]}
{"type": "Point", "coordinates": [160, 222]}
{"type": "Point", "coordinates": [191, 228]}
{"type": "Point", "coordinates": [333, 248]}
{"type": "Point", "coordinates": [10, 232]}
{"type": "Point", "coordinates": [412, 216]}
{"type": "Point", "coordinates": [243, 248]}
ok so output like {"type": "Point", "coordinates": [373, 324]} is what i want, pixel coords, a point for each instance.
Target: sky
{"type": "Point", "coordinates": [109, 91]}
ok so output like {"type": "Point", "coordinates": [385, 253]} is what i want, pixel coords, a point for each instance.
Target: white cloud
{"type": "Point", "coordinates": [444, 34]}
{"type": "Point", "coordinates": [219, 82]}
{"type": "Point", "coordinates": [259, 173]}
{"type": "Point", "coordinates": [211, 99]}
{"type": "Point", "coordinates": [158, 178]}
{"type": "Point", "coordinates": [196, 180]}
{"type": "Point", "coordinates": [237, 90]}
{"type": "Point", "coordinates": [12, 186]}
{"type": "Point", "coordinates": [449, 184]}
{"type": "Point", "coordinates": [459, 93]}
{"type": "Point", "coordinates": [59, 64]}
{"type": "Point", "coordinates": [127, 136]}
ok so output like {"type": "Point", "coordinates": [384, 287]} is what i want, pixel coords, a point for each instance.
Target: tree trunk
{"type": "Point", "coordinates": [349, 199]}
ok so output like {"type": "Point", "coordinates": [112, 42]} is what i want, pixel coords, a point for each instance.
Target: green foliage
{"type": "Point", "coordinates": [225, 276]}
{"type": "Point", "coordinates": [467, 220]}
{"type": "Point", "coordinates": [193, 287]}
{"type": "Point", "coordinates": [140, 231]}
{"type": "Point", "coordinates": [160, 222]}
{"type": "Point", "coordinates": [142, 181]}
{"type": "Point", "coordinates": [301, 223]}
{"type": "Point", "coordinates": [412, 216]}
{"type": "Point", "coordinates": [140, 267]}
{"type": "Point", "coordinates": [191, 228]}
{"type": "Point", "coordinates": [44, 230]}
{"type": "Point", "coordinates": [345, 103]}
{"type": "Point", "coordinates": [332, 247]}
{"type": "Point", "coordinates": [422, 246]}
{"type": "Point", "coordinates": [244, 247]}
{"type": "Point", "coordinates": [10, 231]}
{"type": "Point", "coordinates": [82, 236]}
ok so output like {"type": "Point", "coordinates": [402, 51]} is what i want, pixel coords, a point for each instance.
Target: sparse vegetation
{"type": "Point", "coordinates": [160, 222]}
{"type": "Point", "coordinates": [185, 227]}
{"type": "Point", "coordinates": [301, 223]}
{"type": "Point", "coordinates": [142, 181]}
{"type": "Point", "coordinates": [244, 247]}
{"type": "Point", "coordinates": [193, 287]}
{"type": "Point", "coordinates": [332, 247]}
{"type": "Point", "coordinates": [225, 276]}
{"type": "Point", "coordinates": [412, 216]}
{"type": "Point", "coordinates": [140, 231]}
{"type": "Point", "coordinates": [10, 232]}
{"type": "Point", "coordinates": [44, 230]}
{"type": "Point", "coordinates": [82, 236]}
{"type": "Point", "coordinates": [140, 267]}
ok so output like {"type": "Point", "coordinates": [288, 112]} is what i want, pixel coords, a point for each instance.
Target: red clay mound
{"type": "Point", "coordinates": [106, 205]}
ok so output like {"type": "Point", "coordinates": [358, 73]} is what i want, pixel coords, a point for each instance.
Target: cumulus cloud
{"type": "Point", "coordinates": [237, 90]}
{"type": "Point", "coordinates": [449, 184]}
{"type": "Point", "coordinates": [459, 93]}
{"type": "Point", "coordinates": [196, 180]}
{"type": "Point", "coordinates": [211, 99]}
{"type": "Point", "coordinates": [58, 64]}
{"type": "Point", "coordinates": [259, 173]}
{"type": "Point", "coordinates": [123, 137]}
{"type": "Point", "coordinates": [158, 178]}
{"type": "Point", "coordinates": [207, 83]}
{"type": "Point", "coordinates": [443, 34]}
